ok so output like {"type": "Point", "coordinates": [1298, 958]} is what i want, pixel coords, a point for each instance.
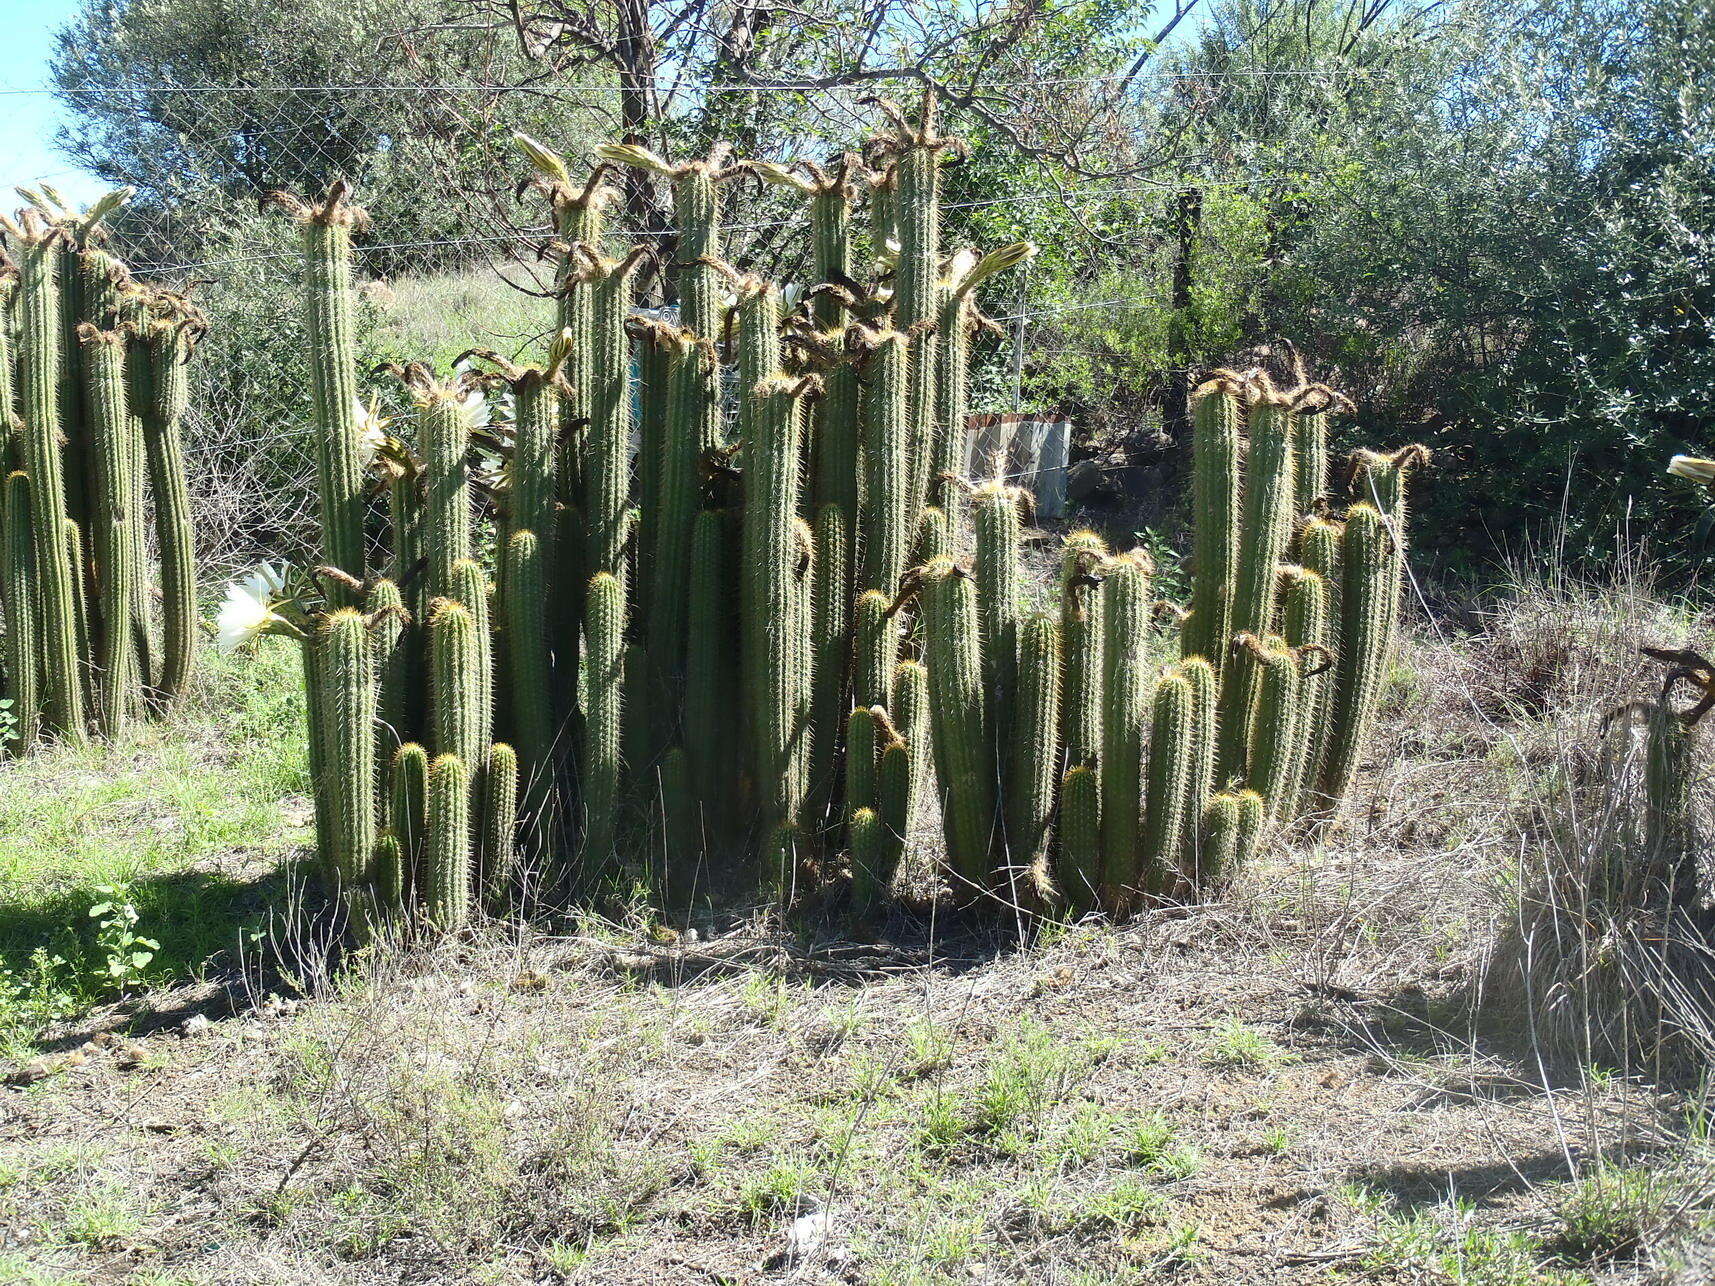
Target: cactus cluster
{"type": "Point", "coordinates": [758, 649]}
{"type": "Point", "coordinates": [92, 392]}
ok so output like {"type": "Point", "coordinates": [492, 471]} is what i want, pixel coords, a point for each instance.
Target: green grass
{"type": "Point", "coordinates": [182, 822]}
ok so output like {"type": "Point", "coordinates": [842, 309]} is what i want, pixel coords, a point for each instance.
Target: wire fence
{"type": "Point", "coordinates": [446, 285]}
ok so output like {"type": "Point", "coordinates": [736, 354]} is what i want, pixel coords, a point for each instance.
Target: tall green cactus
{"type": "Point", "coordinates": [499, 824]}
{"type": "Point", "coordinates": [911, 716]}
{"type": "Point", "coordinates": [40, 340]}
{"type": "Point", "coordinates": [1221, 837]}
{"type": "Point", "coordinates": [1368, 606]}
{"type": "Point", "coordinates": [1034, 766]}
{"type": "Point", "coordinates": [830, 646]}
{"type": "Point", "coordinates": [169, 340]}
{"type": "Point", "coordinates": [1081, 559]}
{"type": "Point", "coordinates": [1169, 800]}
{"type": "Point", "coordinates": [877, 644]}
{"type": "Point", "coordinates": [1204, 714]}
{"type": "Point", "coordinates": [607, 439]}
{"type": "Point", "coordinates": [1215, 416]}
{"type": "Point", "coordinates": [861, 755]}
{"type": "Point", "coordinates": [605, 635]}
{"type": "Point", "coordinates": [1079, 834]}
{"type": "Point", "coordinates": [330, 320]}
{"type": "Point", "coordinates": [116, 521]}
{"type": "Point", "coordinates": [23, 627]}
{"type": "Point", "coordinates": [770, 557]}
{"type": "Point", "coordinates": [711, 672]}
{"type": "Point", "coordinates": [693, 428]}
{"type": "Point", "coordinates": [443, 419]}
{"type": "Point", "coordinates": [964, 754]}
{"type": "Point", "coordinates": [447, 865]}
{"type": "Point", "coordinates": [407, 812]}
{"type": "Point", "coordinates": [455, 655]}
{"type": "Point", "coordinates": [522, 601]}
{"type": "Point", "coordinates": [1307, 633]}
{"type": "Point", "coordinates": [888, 519]}
{"type": "Point", "coordinates": [1278, 712]}
{"type": "Point", "coordinates": [347, 675]}
{"type": "Point", "coordinates": [1319, 549]}
{"type": "Point", "coordinates": [1125, 589]}
{"type": "Point", "coordinates": [1264, 531]}
{"type": "Point", "coordinates": [995, 508]}
{"type": "Point", "coordinates": [395, 662]}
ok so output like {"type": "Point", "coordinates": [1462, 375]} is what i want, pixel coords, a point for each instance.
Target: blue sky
{"type": "Point", "coordinates": [27, 154]}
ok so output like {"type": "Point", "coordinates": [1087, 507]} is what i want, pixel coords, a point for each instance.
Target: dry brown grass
{"type": "Point", "coordinates": [1330, 1073]}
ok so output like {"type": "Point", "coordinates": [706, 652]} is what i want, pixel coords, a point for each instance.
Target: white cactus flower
{"type": "Point", "coordinates": [1692, 469]}
{"type": "Point", "coordinates": [248, 609]}
{"type": "Point", "coordinates": [371, 429]}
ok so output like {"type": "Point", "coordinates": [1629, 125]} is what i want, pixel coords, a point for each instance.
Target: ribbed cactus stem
{"type": "Point", "coordinates": [1125, 591]}
{"type": "Point", "coordinates": [831, 649]}
{"type": "Point", "coordinates": [607, 440]}
{"type": "Point", "coordinates": [888, 517]}
{"type": "Point", "coordinates": [1168, 795]}
{"type": "Point", "coordinates": [860, 758]}
{"type": "Point", "coordinates": [1252, 826]}
{"type": "Point", "coordinates": [1204, 716]}
{"type": "Point", "coordinates": [952, 382]}
{"type": "Point", "coordinates": [1310, 455]}
{"type": "Point", "coordinates": [535, 459]}
{"type": "Point", "coordinates": [1221, 826]}
{"type": "Point", "coordinates": [447, 864]}
{"type": "Point", "coordinates": [1264, 531]}
{"type": "Point", "coordinates": [693, 416]}
{"type": "Point", "coordinates": [23, 628]}
{"type": "Point", "coordinates": [445, 426]}
{"type": "Point", "coordinates": [499, 824]}
{"type": "Point", "coordinates": [39, 356]}
{"type": "Point", "coordinates": [877, 637]}
{"type": "Point", "coordinates": [455, 682]}
{"type": "Point", "coordinates": [934, 538]}
{"type": "Point", "coordinates": [1215, 415]}
{"type": "Point", "coordinates": [471, 587]}
{"type": "Point", "coordinates": [1306, 631]}
{"type": "Point", "coordinates": [407, 807]}
{"type": "Point", "coordinates": [395, 664]}
{"type": "Point", "coordinates": [388, 876]}
{"type": "Point", "coordinates": [771, 556]}
{"type": "Point", "coordinates": [522, 602]}
{"type": "Point", "coordinates": [895, 789]}
{"type": "Point", "coordinates": [1319, 548]}
{"type": "Point", "coordinates": [330, 320]}
{"type": "Point", "coordinates": [911, 719]}
{"type": "Point", "coordinates": [346, 672]}
{"type": "Point", "coordinates": [604, 641]}
{"type": "Point", "coordinates": [1367, 614]}
{"type": "Point", "coordinates": [169, 346]}
{"type": "Point", "coordinates": [1034, 766]}
{"type": "Point", "coordinates": [1079, 836]}
{"type": "Point", "coordinates": [917, 301]}
{"type": "Point", "coordinates": [995, 510]}
{"type": "Point", "coordinates": [1274, 726]}
{"type": "Point", "coordinates": [116, 520]}
{"type": "Point", "coordinates": [1081, 635]}
{"type": "Point", "coordinates": [710, 672]}
{"type": "Point", "coordinates": [964, 755]}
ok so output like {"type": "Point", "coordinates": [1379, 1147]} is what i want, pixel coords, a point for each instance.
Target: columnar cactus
{"type": "Point", "coordinates": [19, 591]}
{"type": "Point", "coordinates": [499, 824]}
{"type": "Point", "coordinates": [347, 674]}
{"type": "Point", "coordinates": [1368, 607]}
{"type": "Point", "coordinates": [1079, 835]}
{"type": "Point", "coordinates": [1201, 753]}
{"type": "Point", "coordinates": [1125, 590]}
{"type": "Point", "coordinates": [964, 755]}
{"type": "Point", "coordinates": [1307, 633]}
{"type": "Point", "coordinates": [1274, 732]}
{"type": "Point", "coordinates": [605, 634]}
{"type": "Point", "coordinates": [329, 319]}
{"type": "Point", "coordinates": [1215, 418]}
{"type": "Point", "coordinates": [995, 509]}
{"type": "Point", "coordinates": [1319, 548]}
{"type": "Point", "coordinates": [1265, 529]}
{"type": "Point", "coordinates": [1034, 766]}
{"type": "Point", "coordinates": [1081, 634]}
{"type": "Point", "coordinates": [114, 520]}
{"type": "Point", "coordinates": [447, 864]}
{"type": "Point", "coordinates": [40, 346]}
{"type": "Point", "coordinates": [407, 810]}
{"type": "Point", "coordinates": [889, 521]}
{"type": "Point", "coordinates": [1169, 805]}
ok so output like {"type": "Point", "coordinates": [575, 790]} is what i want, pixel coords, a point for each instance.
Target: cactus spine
{"type": "Point", "coordinates": [605, 634]}
{"type": "Point", "coordinates": [996, 509]}
{"type": "Point", "coordinates": [18, 585]}
{"type": "Point", "coordinates": [1125, 590]}
{"type": "Point", "coordinates": [1216, 491]}
{"type": "Point", "coordinates": [830, 633]}
{"type": "Point", "coordinates": [447, 868]}
{"type": "Point", "coordinates": [167, 348]}
{"type": "Point", "coordinates": [347, 675]}
{"type": "Point", "coordinates": [1080, 839]}
{"type": "Point", "coordinates": [1201, 754]}
{"type": "Point", "coordinates": [1169, 803]}
{"type": "Point", "coordinates": [445, 426]}
{"type": "Point", "coordinates": [1035, 758]}
{"type": "Point", "coordinates": [407, 811]}
{"type": "Point", "coordinates": [888, 520]}
{"type": "Point", "coordinates": [912, 719]}
{"type": "Point", "coordinates": [1307, 634]}
{"type": "Point", "coordinates": [1081, 635]}
{"type": "Point", "coordinates": [1274, 728]}
{"type": "Point", "coordinates": [39, 355]}
{"type": "Point", "coordinates": [499, 823]}
{"type": "Point", "coordinates": [1221, 838]}
{"type": "Point", "coordinates": [1264, 532]}
{"type": "Point", "coordinates": [114, 518]}
{"type": "Point", "coordinates": [1319, 547]}
{"type": "Point", "coordinates": [1366, 639]}
{"type": "Point", "coordinates": [964, 755]}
